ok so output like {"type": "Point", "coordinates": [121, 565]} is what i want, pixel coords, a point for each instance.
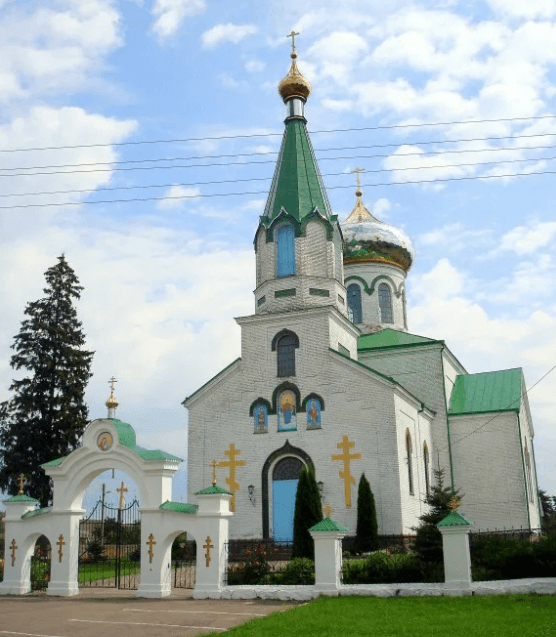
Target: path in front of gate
{"type": "Point", "coordinates": [118, 613]}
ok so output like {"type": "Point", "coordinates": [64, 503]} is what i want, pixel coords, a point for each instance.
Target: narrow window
{"type": "Point", "coordinates": [285, 350]}
{"type": "Point", "coordinates": [285, 248]}
{"type": "Point", "coordinates": [354, 303]}
{"type": "Point", "coordinates": [409, 461]}
{"type": "Point", "coordinates": [385, 303]}
{"type": "Point", "coordinates": [529, 473]}
{"type": "Point", "coordinates": [427, 468]}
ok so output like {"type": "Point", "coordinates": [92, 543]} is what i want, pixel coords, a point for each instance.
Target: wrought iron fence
{"type": "Point", "coordinates": [40, 568]}
{"type": "Point", "coordinates": [252, 562]}
{"type": "Point", "coordinates": [520, 534]}
{"type": "Point", "coordinates": [184, 564]}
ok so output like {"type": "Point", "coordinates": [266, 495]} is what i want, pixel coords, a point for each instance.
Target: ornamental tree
{"type": "Point", "coordinates": [47, 414]}
{"type": "Point", "coordinates": [308, 511]}
{"type": "Point", "coordinates": [367, 527]}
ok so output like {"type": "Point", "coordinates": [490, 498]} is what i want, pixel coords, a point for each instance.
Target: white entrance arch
{"type": "Point", "coordinates": [109, 443]}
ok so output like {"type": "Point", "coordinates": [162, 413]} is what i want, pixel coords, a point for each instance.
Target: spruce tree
{"type": "Point", "coordinates": [367, 527]}
{"type": "Point", "coordinates": [308, 511]}
{"type": "Point", "coordinates": [428, 542]}
{"type": "Point", "coordinates": [47, 414]}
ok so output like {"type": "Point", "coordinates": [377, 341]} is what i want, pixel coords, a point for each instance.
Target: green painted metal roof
{"type": "Point", "coordinates": [328, 525]}
{"type": "Point", "coordinates": [20, 498]}
{"type": "Point", "coordinates": [391, 338]}
{"type": "Point", "coordinates": [155, 454]}
{"type": "Point", "coordinates": [297, 186]}
{"type": "Point", "coordinates": [486, 392]}
{"type": "Point", "coordinates": [54, 463]}
{"type": "Point", "coordinates": [454, 519]}
{"type": "Point", "coordinates": [32, 514]}
{"type": "Point", "coordinates": [126, 433]}
{"type": "Point", "coordinates": [211, 490]}
{"type": "Point", "coordinates": [179, 507]}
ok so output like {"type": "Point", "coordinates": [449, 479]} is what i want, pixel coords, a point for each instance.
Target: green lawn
{"type": "Point", "coordinates": [95, 571]}
{"type": "Point", "coordinates": [501, 615]}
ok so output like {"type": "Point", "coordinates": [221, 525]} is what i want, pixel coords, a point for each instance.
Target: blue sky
{"type": "Point", "coordinates": [164, 278]}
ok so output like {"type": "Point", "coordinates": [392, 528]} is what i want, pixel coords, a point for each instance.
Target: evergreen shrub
{"type": "Point", "coordinates": [300, 571]}
{"type": "Point", "coordinates": [383, 567]}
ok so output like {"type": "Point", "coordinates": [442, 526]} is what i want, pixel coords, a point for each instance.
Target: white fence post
{"type": "Point", "coordinates": [457, 558]}
{"type": "Point", "coordinates": [327, 536]}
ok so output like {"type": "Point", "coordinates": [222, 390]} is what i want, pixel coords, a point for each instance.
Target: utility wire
{"type": "Point", "coordinates": [253, 154]}
{"type": "Point", "coordinates": [265, 192]}
{"type": "Point", "coordinates": [230, 181]}
{"type": "Point", "coordinates": [333, 130]}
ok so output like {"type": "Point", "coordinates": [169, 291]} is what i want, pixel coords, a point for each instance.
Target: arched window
{"type": "Point", "coordinates": [285, 252]}
{"type": "Point", "coordinates": [285, 354]}
{"type": "Point", "coordinates": [408, 449]}
{"type": "Point", "coordinates": [354, 303]}
{"type": "Point", "coordinates": [426, 461]}
{"type": "Point", "coordinates": [385, 303]}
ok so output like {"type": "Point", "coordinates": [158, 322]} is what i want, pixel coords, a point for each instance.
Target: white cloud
{"type": "Point", "coordinates": [253, 66]}
{"type": "Point", "coordinates": [170, 14]}
{"type": "Point", "coordinates": [525, 240]}
{"type": "Point", "coordinates": [221, 33]}
{"type": "Point", "coordinates": [530, 9]}
{"type": "Point", "coordinates": [382, 207]}
{"type": "Point", "coordinates": [444, 279]}
{"type": "Point", "coordinates": [177, 197]}
{"type": "Point", "coordinates": [336, 54]}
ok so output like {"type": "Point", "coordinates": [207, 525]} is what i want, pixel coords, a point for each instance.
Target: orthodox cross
{"type": "Point", "coordinates": [346, 458]}
{"type": "Point", "coordinates": [121, 490]}
{"type": "Point", "coordinates": [454, 503]}
{"type": "Point", "coordinates": [213, 464]}
{"type": "Point", "coordinates": [328, 511]}
{"type": "Point", "coordinates": [14, 548]}
{"type": "Point", "coordinates": [232, 452]}
{"type": "Point", "coordinates": [209, 545]}
{"type": "Point", "coordinates": [111, 383]}
{"type": "Point", "coordinates": [21, 481]}
{"type": "Point", "coordinates": [150, 543]}
{"type": "Point", "coordinates": [292, 36]}
{"type": "Point", "coordinates": [357, 172]}
{"type": "Point", "coordinates": [61, 543]}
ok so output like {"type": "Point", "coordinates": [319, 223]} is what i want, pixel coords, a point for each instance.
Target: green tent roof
{"type": "Point", "coordinates": [486, 392]}
{"type": "Point", "coordinates": [21, 498]}
{"type": "Point", "coordinates": [454, 519]}
{"type": "Point", "coordinates": [391, 338]}
{"type": "Point", "coordinates": [212, 489]}
{"type": "Point", "coordinates": [297, 185]}
{"type": "Point", "coordinates": [328, 525]}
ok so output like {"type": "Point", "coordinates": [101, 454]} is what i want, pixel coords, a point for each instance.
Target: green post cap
{"type": "Point", "coordinates": [328, 525]}
{"type": "Point", "coordinates": [212, 490]}
{"type": "Point", "coordinates": [453, 519]}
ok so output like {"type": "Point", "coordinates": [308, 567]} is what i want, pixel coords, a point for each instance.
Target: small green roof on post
{"type": "Point", "coordinates": [212, 490]}
{"type": "Point", "coordinates": [21, 498]}
{"type": "Point", "coordinates": [453, 519]}
{"type": "Point", "coordinates": [328, 526]}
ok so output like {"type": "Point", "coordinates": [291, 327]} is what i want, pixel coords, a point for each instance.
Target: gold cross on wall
{"type": "Point", "coordinates": [232, 452]}
{"type": "Point", "coordinates": [346, 457]}
{"type": "Point", "coordinates": [292, 36]}
{"type": "Point", "coordinates": [21, 481]}
{"type": "Point", "coordinates": [61, 543]}
{"type": "Point", "coordinates": [150, 543]}
{"type": "Point", "coordinates": [213, 464]}
{"type": "Point", "coordinates": [14, 548]}
{"type": "Point", "coordinates": [121, 490]}
{"type": "Point", "coordinates": [209, 545]}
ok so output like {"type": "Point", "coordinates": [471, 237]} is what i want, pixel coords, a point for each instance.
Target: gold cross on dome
{"type": "Point", "coordinates": [14, 548]}
{"type": "Point", "coordinates": [213, 464]}
{"type": "Point", "coordinates": [357, 172]}
{"type": "Point", "coordinates": [292, 36]}
{"type": "Point", "coordinates": [61, 543]}
{"type": "Point", "coordinates": [121, 490]}
{"type": "Point", "coordinates": [21, 481]}
{"type": "Point", "coordinates": [209, 545]}
{"type": "Point", "coordinates": [328, 511]}
{"type": "Point", "coordinates": [150, 543]}
{"type": "Point", "coordinates": [111, 383]}
{"type": "Point", "coordinates": [454, 503]}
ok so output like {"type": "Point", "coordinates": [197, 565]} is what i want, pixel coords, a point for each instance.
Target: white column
{"type": "Point", "coordinates": [328, 561]}
{"type": "Point", "coordinates": [457, 558]}
{"type": "Point", "coordinates": [156, 555]}
{"type": "Point", "coordinates": [64, 564]}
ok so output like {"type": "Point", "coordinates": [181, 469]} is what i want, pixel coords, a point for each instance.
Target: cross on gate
{"type": "Point", "coordinates": [121, 490]}
{"type": "Point", "coordinates": [61, 543]}
{"type": "Point", "coordinates": [150, 543]}
{"type": "Point", "coordinates": [346, 457]}
{"type": "Point", "coordinates": [232, 452]}
{"type": "Point", "coordinates": [292, 36]}
{"type": "Point", "coordinates": [209, 545]}
{"type": "Point", "coordinates": [213, 464]}
{"type": "Point", "coordinates": [14, 548]}
{"type": "Point", "coordinates": [21, 481]}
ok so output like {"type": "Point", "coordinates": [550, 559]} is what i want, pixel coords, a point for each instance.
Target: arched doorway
{"type": "Point", "coordinates": [285, 477]}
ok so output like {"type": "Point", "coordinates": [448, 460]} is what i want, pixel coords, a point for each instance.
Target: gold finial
{"type": "Point", "coordinates": [111, 403]}
{"type": "Point", "coordinates": [454, 503]}
{"type": "Point", "coordinates": [360, 213]}
{"type": "Point", "coordinates": [213, 464]}
{"type": "Point", "coordinates": [357, 172]}
{"type": "Point", "coordinates": [292, 36]}
{"type": "Point", "coordinates": [294, 84]}
{"type": "Point", "coordinates": [21, 481]}
{"type": "Point", "coordinates": [328, 511]}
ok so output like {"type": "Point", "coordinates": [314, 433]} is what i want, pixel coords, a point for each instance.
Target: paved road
{"type": "Point", "coordinates": [120, 614]}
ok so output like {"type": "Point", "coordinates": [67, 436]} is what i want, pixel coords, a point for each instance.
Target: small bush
{"type": "Point", "coordinates": [383, 567]}
{"type": "Point", "coordinates": [95, 550]}
{"type": "Point", "coordinates": [300, 571]}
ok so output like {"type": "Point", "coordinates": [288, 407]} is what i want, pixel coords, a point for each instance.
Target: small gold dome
{"type": "Point", "coordinates": [294, 84]}
{"type": "Point", "coordinates": [112, 403]}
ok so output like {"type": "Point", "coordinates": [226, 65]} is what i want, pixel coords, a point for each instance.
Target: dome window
{"type": "Point", "coordinates": [285, 248]}
{"type": "Point", "coordinates": [354, 303]}
{"type": "Point", "coordinates": [385, 303]}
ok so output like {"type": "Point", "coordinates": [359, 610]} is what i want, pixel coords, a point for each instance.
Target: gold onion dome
{"type": "Point", "coordinates": [112, 403]}
{"type": "Point", "coordinates": [294, 84]}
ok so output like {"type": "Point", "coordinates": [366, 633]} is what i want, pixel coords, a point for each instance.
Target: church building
{"type": "Point", "coordinates": [331, 378]}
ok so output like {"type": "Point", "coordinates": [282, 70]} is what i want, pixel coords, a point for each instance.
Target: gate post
{"type": "Point", "coordinates": [327, 536]}
{"type": "Point", "coordinates": [457, 559]}
{"type": "Point", "coordinates": [17, 580]}
{"type": "Point", "coordinates": [211, 536]}
{"type": "Point", "coordinates": [65, 552]}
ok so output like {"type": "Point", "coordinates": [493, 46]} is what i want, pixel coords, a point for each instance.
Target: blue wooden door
{"type": "Point", "coordinates": [283, 506]}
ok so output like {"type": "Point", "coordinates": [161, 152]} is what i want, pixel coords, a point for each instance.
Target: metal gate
{"type": "Point", "coordinates": [110, 547]}
{"type": "Point", "coordinates": [40, 565]}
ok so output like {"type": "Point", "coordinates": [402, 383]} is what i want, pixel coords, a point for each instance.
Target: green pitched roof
{"type": "Point", "coordinates": [212, 489]}
{"type": "Point", "coordinates": [454, 519]}
{"type": "Point", "coordinates": [21, 498]}
{"type": "Point", "coordinates": [32, 514]}
{"type": "Point", "coordinates": [328, 525]}
{"type": "Point", "coordinates": [297, 185]}
{"type": "Point", "coordinates": [178, 507]}
{"type": "Point", "coordinates": [486, 392]}
{"type": "Point", "coordinates": [391, 338]}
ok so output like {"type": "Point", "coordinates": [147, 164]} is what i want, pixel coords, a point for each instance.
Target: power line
{"type": "Point", "coordinates": [265, 192]}
{"type": "Point", "coordinates": [230, 181]}
{"type": "Point", "coordinates": [253, 135]}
